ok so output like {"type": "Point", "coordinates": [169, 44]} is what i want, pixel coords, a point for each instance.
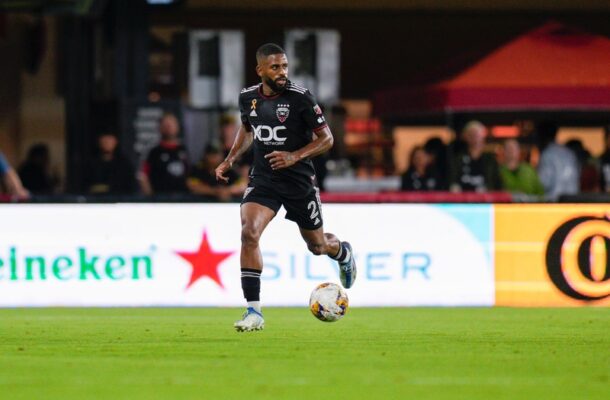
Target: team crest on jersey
{"type": "Point", "coordinates": [282, 112]}
{"type": "Point", "coordinates": [317, 109]}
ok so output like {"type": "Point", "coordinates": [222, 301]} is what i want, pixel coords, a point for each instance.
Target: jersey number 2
{"type": "Point", "coordinates": [314, 209]}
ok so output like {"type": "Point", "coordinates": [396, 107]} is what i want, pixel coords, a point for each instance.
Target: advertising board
{"type": "Point", "coordinates": [188, 255]}
{"type": "Point", "coordinates": [552, 255]}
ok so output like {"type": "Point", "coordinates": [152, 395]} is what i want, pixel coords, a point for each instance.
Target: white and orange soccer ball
{"type": "Point", "coordinates": [328, 302]}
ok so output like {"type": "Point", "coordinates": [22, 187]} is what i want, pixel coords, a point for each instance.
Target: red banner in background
{"type": "Point", "coordinates": [417, 197]}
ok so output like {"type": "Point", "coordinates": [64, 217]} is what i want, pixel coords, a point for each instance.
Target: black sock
{"type": "Point", "coordinates": [343, 255]}
{"type": "Point", "coordinates": [251, 283]}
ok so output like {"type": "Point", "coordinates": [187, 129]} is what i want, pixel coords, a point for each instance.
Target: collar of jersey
{"type": "Point", "coordinates": [169, 145]}
{"type": "Point", "coordinates": [260, 91]}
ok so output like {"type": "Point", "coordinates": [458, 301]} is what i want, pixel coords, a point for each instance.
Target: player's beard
{"type": "Point", "coordinates": [274, 86]}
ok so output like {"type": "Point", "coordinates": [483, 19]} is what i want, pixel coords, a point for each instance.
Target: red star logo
{"type": "Point", "coordinates": [205, 261]}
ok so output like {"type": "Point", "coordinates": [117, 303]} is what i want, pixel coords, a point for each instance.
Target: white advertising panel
{"type": "Point", "coordinates": [188, 255]}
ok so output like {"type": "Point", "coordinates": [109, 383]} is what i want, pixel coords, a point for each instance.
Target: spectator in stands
{"type": "Point", "coordinates": [418, 175]}
{"type": "Point", "coordinates": [558, 168]}
{"type": "Point", "coordinates": [475, 169]}
{"type": "Point", "coordinates": [518, 176]}
{"type": "Point", "coordinates": [109, 172]}
{"type": "Point", "coordinates": [202, 180]}
{"type": "Point", "coordinates": [10, 182]}
{"type": "Point", "coordinates": [458, 144]}
{"type": "Point", "coordinates": [228, 131]}
{"type": "Point", "coordinates": [35, 171]}
{"type": "Point", "coordinates": [604, 164]}
{"type": "Point", "coordinates": [166, 168]}
{"type": "Point", "coordinates": [589, 174]}
{"type": "Point", "coordinates": [439, 164]}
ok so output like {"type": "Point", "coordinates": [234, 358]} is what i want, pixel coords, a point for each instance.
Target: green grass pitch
{"type": "Point", "coordinates": [383, 353]}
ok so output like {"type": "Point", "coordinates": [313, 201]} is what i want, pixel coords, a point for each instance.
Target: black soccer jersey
{"type": "Point", "coordinates": [284, 122]}
{"type": "Point", "coordinates": [167, 167]}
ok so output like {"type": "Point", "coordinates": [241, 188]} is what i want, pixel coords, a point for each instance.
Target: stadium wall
{"type": "Point", "coordinates": [407, 254]}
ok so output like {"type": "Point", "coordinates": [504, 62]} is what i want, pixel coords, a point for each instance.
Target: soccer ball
{"type": "Point", "coordinates": [328, 302]}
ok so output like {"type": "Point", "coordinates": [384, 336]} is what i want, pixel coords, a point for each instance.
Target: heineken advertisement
{"type": "Point", "coordinates": [188, 255]}
{"type": "Point", "coordinates": [80, 266]}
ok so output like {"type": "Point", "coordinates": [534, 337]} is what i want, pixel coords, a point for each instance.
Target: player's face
{"type": "Point", "coordinates": [273, 71]}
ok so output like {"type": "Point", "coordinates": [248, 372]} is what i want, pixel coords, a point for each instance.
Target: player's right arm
{"type": "Point", "coordinates": [243, 141]}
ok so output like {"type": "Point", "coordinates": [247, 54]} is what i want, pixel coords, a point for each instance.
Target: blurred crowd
{"type": "Point", "coordinates": [542, 168]}
{"type": "Point", "coordinates": [165, 171]}
{"type": "Point", "coordinates": [539, 169]}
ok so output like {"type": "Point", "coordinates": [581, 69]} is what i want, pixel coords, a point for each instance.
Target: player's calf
{"type": "Point", "coordinates": [316, 248]}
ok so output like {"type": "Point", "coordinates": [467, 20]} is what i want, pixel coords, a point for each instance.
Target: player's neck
{"type": "Point", "coordinates": [267, 91]}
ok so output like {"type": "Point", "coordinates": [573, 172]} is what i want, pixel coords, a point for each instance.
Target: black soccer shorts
{"type": "Point", "coordinates": [305, 210]}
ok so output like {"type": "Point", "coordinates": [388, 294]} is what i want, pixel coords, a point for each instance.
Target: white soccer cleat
{"type": "Point", "coordinates": [252, 320]}
{"type": "Point", "coordinates": [347, 271]}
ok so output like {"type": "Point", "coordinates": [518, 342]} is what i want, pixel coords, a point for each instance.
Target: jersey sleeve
{"type": "Point", "coordinates": [243, 111]}
{"type": "Point", "coordinates": [312, 113]}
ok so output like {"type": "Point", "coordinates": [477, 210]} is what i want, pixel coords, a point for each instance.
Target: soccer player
{"type": "Point", "coordinates": [287, 128]}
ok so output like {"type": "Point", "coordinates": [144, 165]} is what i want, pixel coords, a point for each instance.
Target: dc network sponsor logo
{"type": "Point", "coordinates": [372, 266]}
{"type": "Point", "coordinates": [269, 135]}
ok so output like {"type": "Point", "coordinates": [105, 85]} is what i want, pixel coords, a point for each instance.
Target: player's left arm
{"type": "Point", "coordinates": [323, 141]}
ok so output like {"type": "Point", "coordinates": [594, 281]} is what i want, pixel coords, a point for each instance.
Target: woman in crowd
{"type": "Point", "coordinates": [418, 175]}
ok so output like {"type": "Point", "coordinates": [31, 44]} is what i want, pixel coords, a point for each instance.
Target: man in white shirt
{"type": "Point", "coordinates": [558, 168]}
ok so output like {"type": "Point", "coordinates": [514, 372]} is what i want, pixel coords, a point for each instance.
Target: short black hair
{"type": "Point", "coordinates": [268, 49]}
{"type": "Point", "coordinates": [546, 133]}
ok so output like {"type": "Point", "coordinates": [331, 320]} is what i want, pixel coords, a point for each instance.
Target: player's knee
{"type": "Point", "coordinates": [249, 236]}
{"type": "Point", "coordinates": [316, 248]}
